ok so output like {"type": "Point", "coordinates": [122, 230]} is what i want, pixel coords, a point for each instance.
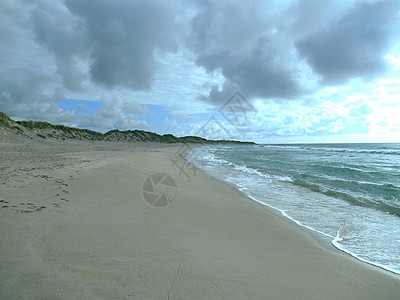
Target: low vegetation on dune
{"type": "Point", "coordinates": [5, 120]}
{"type": "Point", "coordinates": [46, 130]}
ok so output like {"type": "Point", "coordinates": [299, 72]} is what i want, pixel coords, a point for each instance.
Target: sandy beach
{"type": "Point", "coordinates": [74, 224]}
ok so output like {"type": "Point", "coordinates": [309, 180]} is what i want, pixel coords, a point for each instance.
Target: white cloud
{"type": "Point", "coordinates": [170, 122]}
{"type": "Point", "coordinates": [134, 108]}
{"type": "Point", "coordinates": [185, 117]}
{"type": "Point", "coordinates": [189, 57]}
{"type": "Point", "coordinates": [395, 60]}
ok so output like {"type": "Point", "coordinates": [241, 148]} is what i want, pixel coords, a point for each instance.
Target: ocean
{"type": "Point", "coordinates": [347, 192]}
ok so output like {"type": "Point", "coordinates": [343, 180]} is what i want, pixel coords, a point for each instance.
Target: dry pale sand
{"type": "Point", "coordinates": [74, 225]}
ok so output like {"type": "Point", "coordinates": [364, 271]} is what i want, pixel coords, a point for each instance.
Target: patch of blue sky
{"type": "Point", "coordinates": [81, 107]}
{"type": "Point", "coordinates": [167, 122]}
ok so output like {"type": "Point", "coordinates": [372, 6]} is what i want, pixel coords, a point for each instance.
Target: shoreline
{"type": "Point", "coordinates": [323, 239]}
{"type": "Point", "coordinates": [211, 242]}
{"type": "Point", "coordinates": [330, 240]}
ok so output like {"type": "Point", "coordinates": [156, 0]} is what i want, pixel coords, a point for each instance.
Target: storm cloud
{"type": "Point", "coordinates": [284, 52]}
{"type": "Point", "coordinates": [183, 55]}
{"type": "Point", "coordinates": [52, 48]}
{"type": "Point", "coordinates": [244, 42]}
{"type": "Point", "coordinates": [355, 44]}
{"type": "Point", "coordinates": [119, 38]}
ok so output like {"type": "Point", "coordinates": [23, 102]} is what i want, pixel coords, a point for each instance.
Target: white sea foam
{"type": "Point", "coordinates": [359, 233]}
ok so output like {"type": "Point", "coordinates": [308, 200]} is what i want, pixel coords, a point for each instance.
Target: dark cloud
{"type": "Point", "coordinates": [50, 48]}
{"type": "Point", "coordinates": [279, 51]}
{"type": "Point", "coordinates": [305, 17]}
{"type": "Point", "coordinates": [61, 33]}
{"type": "Point", "coordinates": [244, 42]}
{"type": "Point", "coordinates": [262, 73]}
{"type": "Point", "coordinates": [22, 71]}
{"type": "Point", "coordinates": [354, 45]}
{"type": "Point", "coordinates": [122, 37]}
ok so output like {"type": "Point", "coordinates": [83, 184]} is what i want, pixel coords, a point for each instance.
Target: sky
{"type": "Point", "coordinates": [295, 71]}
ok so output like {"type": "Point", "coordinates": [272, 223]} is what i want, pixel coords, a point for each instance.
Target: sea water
{"type": "Point", "coordinates": [348, 192]}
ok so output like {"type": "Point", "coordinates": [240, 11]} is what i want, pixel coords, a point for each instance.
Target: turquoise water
{"type": "Point", "coordinates": [348, 192]}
